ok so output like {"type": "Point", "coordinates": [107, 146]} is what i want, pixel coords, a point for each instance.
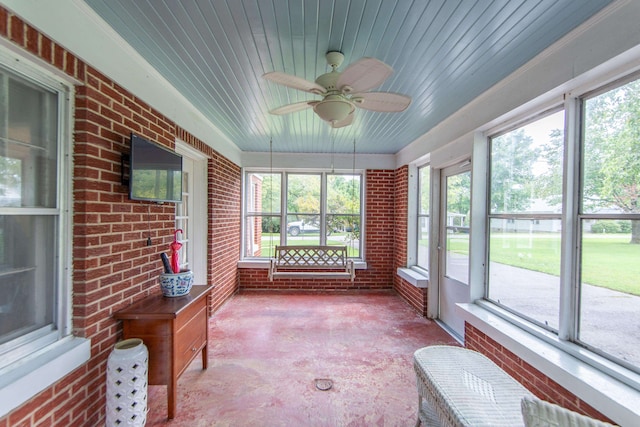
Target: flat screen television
{"type": "Point", "coordinates": [155, 173]}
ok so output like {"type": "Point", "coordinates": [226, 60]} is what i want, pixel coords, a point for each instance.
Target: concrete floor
{"type": "Point", "coordinates": [268, 349]}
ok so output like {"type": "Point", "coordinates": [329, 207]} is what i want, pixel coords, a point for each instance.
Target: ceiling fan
{"type": "Point", "coordinates": [343, 91]}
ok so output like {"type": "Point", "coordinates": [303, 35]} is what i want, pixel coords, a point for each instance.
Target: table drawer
{"type": "Point", "coordinates": [188, 313]}
{"type": "Point", "coordinates": [191, 339]}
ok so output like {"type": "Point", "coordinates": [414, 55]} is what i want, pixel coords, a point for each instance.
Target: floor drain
{"type": "Point", "coordinates": [323, 384]}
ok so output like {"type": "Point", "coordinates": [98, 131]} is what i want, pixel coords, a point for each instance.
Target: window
{"type": "Point", "coordinates": [570, 279]}
{"type": "Point", "coordinates": [320, 208]}
{"type": "Point", "coordinates": [262, 217]}
{"type": "Point", "coordinates": [184, 219]}
{"type": "Point", "coordinates": [609, 223]}
{"type": "Point", "coordinates": [525, 215]}
{"type": "Point", "coordinates": [422, 234]}
{"type": "Point", "coordinates": [32, 223]}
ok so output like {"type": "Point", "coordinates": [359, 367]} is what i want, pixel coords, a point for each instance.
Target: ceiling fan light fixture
{"type": "Point", "coordinates": [333, 110]}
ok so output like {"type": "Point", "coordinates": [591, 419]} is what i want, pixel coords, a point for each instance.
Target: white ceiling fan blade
{"type": "Point", "coordinates": [294, 82]}
{"type": "Point", "coordinates": [363, 75]}
{"type": "Point", "coordinates": [344, 122]}
{"type": "Point", "coordinates": [385, 102]}
{"type": "Point", "coordinates": [293, 108]}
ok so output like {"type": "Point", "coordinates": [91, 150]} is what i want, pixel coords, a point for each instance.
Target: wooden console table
{"type": "Point", "coordinates": [174, 330]}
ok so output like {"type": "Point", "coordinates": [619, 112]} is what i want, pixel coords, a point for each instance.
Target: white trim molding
{"type": "Point", "coordinates": [24, 379]}
{"type": "Point", "coordinates": [414, 277]}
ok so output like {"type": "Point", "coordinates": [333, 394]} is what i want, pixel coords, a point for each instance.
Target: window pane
{"type": "Point", "coordinates": [423, 242]}
{"type": "Point", "coordinates": [27, 274]}
{"type": "Point", "coordinates": [424, 193]}
{"type": "Point", "coordinates": [263, 193]}
{"type": "Point", "coordinates": [183, 221]}
{"type": "Point", "coordinates": [524, 267]}
{"type": "Point", "coordinates": [344, 230]}
{"type": "Point", "coordinates": [303, 209]}
{"type": "Point", "coordinates": [28, 147]}
{"type": "Point", "coordinates": [526, 167]}
{"type": "Point", "coordinates": [262, 234]}
{"type": "Point", "coordinates": [612, 152]}
{"type": "Point", "coordinates": [343, 212]}
{"type": "Point", "coordinates": [343, 194]}
{"type": "Point", "coordinates": [457, 256]}
{"type": "Point", "coordinates": [303, 194]}
{"type": "Point", "coordinates": [610, 289]}
{"type": "Point", "coordinates": [424, 188]}
{"type": "Point", "coordinates": [458, 210]}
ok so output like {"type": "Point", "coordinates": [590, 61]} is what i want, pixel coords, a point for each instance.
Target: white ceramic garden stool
{"type": "Point", "coordinates": [127, 371]}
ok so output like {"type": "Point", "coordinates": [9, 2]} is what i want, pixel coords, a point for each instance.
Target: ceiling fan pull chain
{"type": "Point", "coordinates": [332, 136]}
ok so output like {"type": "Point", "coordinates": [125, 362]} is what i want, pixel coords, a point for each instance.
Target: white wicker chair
{"type": "Point", "coordinates": [539, 413]}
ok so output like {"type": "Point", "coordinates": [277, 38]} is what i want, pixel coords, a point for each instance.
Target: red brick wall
{"type": "Point", "coordinates": [534, 380]}
{"type": "Point", "coordinates": [224, 228]}
{"type": "Point", "coordinates": [112, 266]}
{"type": "Point", "coordinates": [380, 199]}
{"type": "Point", "coordinates": [416, 297]}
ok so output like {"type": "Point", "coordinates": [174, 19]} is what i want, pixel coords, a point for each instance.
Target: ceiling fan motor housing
{"type": "Point", "coordinates": [328, 81]}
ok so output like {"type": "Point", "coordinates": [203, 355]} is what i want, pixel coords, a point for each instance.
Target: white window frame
{"type": "Point", "coordinates": [195, 255]}
{"type": "Point", "coordinates": [515, 216]}
{"type": "Point", "coordinates": [43, 362]}
{"type": "Point", "coordinates": [413, 273]}
{"type": "Point", "coordinates": [359, 261]}
{"type": "Point", "coordinates": [422, 268]}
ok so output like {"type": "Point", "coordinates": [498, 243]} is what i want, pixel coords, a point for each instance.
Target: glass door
{"type": "Point", "coordinates": [454, 244]}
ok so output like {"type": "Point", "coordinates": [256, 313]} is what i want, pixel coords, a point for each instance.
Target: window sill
{"type": "Point", "coordinates": [606, 394]}
{"type": "Point", "coordinates": [24, 379]}
{"type": "Point", "coordinates": [414, 277]}
{"type": "Point", "coordinates": [264, 263]}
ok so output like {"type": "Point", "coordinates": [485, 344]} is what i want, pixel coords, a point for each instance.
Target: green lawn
{"type": "Point", "coordinates": [608, 260]}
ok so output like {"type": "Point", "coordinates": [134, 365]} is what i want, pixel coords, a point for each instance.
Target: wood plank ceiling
{"type": "Point", "coordinates": [444, 53]}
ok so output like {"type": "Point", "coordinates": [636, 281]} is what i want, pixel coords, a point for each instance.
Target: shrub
{"type": "Point", "coordinates": [606, 226]}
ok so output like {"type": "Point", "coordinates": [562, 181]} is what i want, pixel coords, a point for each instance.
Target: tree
{"type": "Point", "coordinates": [512, 177]}
{"type": "Point", "coordinates": [612, 153]}
{"type": "Point", "coordinates": [459, 201]}
{"type": "Point", "coordinates": [549, 185]}
{"type": "Point", "coordinates": [10, 181]}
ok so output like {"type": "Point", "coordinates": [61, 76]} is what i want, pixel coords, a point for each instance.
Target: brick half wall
{"type": "Point", "coordinates": [535, 381]}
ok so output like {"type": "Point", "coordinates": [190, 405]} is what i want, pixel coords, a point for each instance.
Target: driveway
{"type": "Point", "coordinates": [610, 320]}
